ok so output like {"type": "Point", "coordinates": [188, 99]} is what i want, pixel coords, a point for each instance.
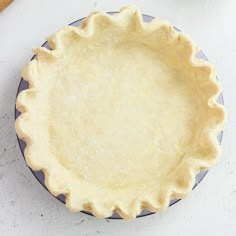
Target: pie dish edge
{"type": "Point", "coordinates": [179, 190]}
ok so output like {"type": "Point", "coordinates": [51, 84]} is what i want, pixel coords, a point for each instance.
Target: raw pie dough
{"type": "Point", "coordinates": [119, 114]}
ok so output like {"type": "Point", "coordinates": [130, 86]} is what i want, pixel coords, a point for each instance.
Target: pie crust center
{"type": "Point", "coordinates": [118, 103]}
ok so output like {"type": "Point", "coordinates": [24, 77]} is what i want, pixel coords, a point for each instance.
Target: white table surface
{"type": "Point", "coordinates": [27, 209]}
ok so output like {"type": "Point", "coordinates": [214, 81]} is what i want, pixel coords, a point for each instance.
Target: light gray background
{"type": "Point", "coordinates": [27, 209]}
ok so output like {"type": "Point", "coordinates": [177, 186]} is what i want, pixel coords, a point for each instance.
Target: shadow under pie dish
{"type": "Point", "coordinates": [120, 115]}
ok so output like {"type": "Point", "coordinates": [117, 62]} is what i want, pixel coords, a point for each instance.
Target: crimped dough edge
{"type": "Point", "coordinates": [179, 187]}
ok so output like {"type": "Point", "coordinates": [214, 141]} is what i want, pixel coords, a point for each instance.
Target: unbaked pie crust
{"type": "Point", "coordinates": [120, 115]}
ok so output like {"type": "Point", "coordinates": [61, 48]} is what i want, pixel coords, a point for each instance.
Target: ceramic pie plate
{"type": "Point", "coordinates": [39, 174]}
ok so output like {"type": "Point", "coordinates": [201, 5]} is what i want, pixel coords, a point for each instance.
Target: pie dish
{"type": "Point", "coordinates": [131, 96]}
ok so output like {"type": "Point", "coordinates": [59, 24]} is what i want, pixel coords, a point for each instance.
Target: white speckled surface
{"type": "Point", "coordinates": [27, 209]}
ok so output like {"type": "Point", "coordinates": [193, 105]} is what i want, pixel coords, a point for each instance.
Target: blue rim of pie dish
{"type": "Point", "coordinates": [39, 174]}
